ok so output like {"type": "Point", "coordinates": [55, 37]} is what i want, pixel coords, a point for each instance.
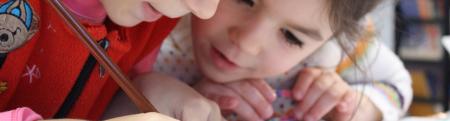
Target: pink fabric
{"type": "Point", "coordinates": [20, 114]}
{"type": "Point", "coordinates": [91, 10]}
{"type": "Point", "coordinates": [145, 65]}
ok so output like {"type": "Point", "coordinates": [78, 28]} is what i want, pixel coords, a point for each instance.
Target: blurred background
{"type": "Point", "coordinates": [414, 30]}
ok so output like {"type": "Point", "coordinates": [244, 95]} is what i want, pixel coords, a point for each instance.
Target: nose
{"type": "Point", "coordinates": [249, 37]}
{"type": "Point", "coordinates": [4, 37]}
{"type": "Point", "coordinates": [203, 9]}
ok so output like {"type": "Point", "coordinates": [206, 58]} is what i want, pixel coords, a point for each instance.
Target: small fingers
{"type": "Point", "coordinates": [305, 79]}
{"type": "Point", "coordinates": [316, 90]}
{"type": "Point", "coordinates": [246, 112]}
{"type": "Point", "coordinates": [347, 107]}
{"type": "Point", "coordinates": [215, 114]}
{"type": "Point", "coordinates": [221, 94]}
{"type": "Point", "coordinates": [265, 89]}
{"type": "Point", "coordinates": [254, 98]}
{"type": "Point", "coordinates": [326, 102]}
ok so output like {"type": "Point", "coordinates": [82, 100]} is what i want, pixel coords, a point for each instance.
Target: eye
{"type": "Point", "coordinates": [290, 38]}
{"type": "Point", "coordinates": [248, 2]}
{"type": "Point", "coordinates": [17, 31]}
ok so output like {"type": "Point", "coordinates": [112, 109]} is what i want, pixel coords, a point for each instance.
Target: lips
{"type": "Point", "coordinates": [150, 13]}
{"type": "Point", "coordinates": [221, 61]}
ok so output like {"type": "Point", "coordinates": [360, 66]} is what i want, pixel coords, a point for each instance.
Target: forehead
{"type": "Point", "coordinates": [301, 8]}
{"type": "Point", "coordinates": [308, 13]}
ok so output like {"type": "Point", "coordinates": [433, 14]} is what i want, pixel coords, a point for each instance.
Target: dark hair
{"type": "Point", "coordinates": [345, 16]}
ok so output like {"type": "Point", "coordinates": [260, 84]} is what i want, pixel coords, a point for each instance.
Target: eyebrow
{"type": "Point", "coordinates": [313, 33]}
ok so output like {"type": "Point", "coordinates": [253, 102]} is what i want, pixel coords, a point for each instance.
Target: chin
{"type": "Point", "coordinates": [125, 23]}
{"type": "Point", "coordinates": [168, 11]}
{"type": "Point", "coordinates": [175, 14]}
{"type": "Point", "coordinates": [220, 80]}
{"type": "Point", "coordinates": [220, 77]}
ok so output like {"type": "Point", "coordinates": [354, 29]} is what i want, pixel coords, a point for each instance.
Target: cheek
{"type": "Point", "coordinates": [281, 58]}
{"type": "Point", "coordinates": [224, 16]}
{"type": "Point", "coordinates": [279, 62]}
{"type": "Point", "coordinates": [211, 29]}
{"type": "Point", "coordinates": [198, 30]}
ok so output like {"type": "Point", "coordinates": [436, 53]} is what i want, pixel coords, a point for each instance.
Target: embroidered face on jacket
{"type": "Point", "coordinates": [17, 24]}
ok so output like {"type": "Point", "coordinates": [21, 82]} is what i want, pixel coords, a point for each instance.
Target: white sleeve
{"type": "Point", "coordinates": [382, 77]}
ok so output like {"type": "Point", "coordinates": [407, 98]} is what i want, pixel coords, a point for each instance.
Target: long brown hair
{"type": "Point", "coordinates": [345, 16]}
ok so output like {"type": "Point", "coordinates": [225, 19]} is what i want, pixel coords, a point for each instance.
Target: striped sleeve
{"type": "Point", "coordinates": [379, 74]}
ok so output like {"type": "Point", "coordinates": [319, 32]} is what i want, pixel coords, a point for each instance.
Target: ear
{"type": "Point", "coordinates": [328, 56]}
{"type": "Point", "coordinates": [34, 27]}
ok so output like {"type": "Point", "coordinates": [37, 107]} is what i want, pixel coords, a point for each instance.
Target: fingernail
{"type": "Point", "coordinates": [343, 107]}
{"type": "Point", "coordinates": [298, 96]}
{"type": "Point", "coordinates": [309, 118]}
{"type": "Point", "coordinates": [273, 96]}
{"type": "Point", "coordinates": [268, 112]}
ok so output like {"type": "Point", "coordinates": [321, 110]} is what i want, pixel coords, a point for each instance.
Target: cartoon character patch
{"type": "Point", "coordinates": [18, 23]}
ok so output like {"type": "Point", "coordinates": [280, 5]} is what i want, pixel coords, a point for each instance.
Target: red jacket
{"type": "Point", "coordinates": [40, 73]}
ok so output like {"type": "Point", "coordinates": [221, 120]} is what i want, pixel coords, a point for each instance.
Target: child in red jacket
{"type": "Point", "coordinates": [45, 66]}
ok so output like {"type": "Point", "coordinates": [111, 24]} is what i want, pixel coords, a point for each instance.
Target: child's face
{"type": "Point", "coordinates": [259, 38]}
{"type": "Point", "coordinates": [132, 12]}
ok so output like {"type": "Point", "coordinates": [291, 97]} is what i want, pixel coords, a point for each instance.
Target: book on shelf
{"type": "Point", "coordinates": [426, 84]}
{"type": "Point", "coordinates": [422, 9]}
{"type": "Point", "coordinates": [421, 40]}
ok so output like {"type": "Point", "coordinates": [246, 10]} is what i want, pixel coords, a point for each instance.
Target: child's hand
{"type": "Point", "coordinates": [177, 99]}
{"type": "Point", "coordinates": [320, 92]}
{"type": "Point", "coordinates": [356, 108]}
{"type": "Point", "coordinates": [249, 99]}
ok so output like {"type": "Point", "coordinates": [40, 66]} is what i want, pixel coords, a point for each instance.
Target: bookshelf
{"type": "Point", "coordinates": [420, 25]}
{"type": "Point", "coordinates": [446, 60]}
{"type": "Point", "coordinates": [419, 30]}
